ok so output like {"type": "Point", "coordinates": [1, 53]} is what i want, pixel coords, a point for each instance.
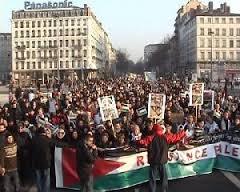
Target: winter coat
{"type": "Point", "coordinates": [170, 137]}
{"type": "Point", "coordinates": [41, 152]}
{"type": "Point", "coordinates": [158, 150]}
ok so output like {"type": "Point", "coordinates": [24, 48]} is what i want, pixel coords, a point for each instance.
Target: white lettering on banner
{"type": "Point", "coordinates": [195, 154]}
{"type": "Point", "coordinates": [137, 161]}
{"type": "Point", "coordinates": [140, 161]}
{"type": "Point", "coordinates": [132, 162]}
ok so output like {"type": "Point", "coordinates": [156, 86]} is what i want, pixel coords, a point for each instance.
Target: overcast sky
{"type": "Point", "coordinates": [131, 24]}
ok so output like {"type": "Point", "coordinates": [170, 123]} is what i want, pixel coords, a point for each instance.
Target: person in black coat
{"type": "Point", "coordinates": [157, 158]}
{"type": "Point", "coordinates": [24, 155]}
{"type": "Point", "coordinates": [86, 156]}
{"type": "Point", "coordinates": [41, 156]}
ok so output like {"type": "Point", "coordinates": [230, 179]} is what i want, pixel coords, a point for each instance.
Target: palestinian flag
{"type": "Point", "coordinates": [141, 111]}
{"type": "Point", "coordinates": [125, 108]}
{"type": "Point", "coordinates": [109, 174]}
{"type": "Point", "coordinates": [129, 170]}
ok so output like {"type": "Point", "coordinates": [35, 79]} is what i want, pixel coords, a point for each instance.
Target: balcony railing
{"type": "Point", "coordinates": [43, 57]}
{"type": "Point", "coordinates": [21, 47]}
{"type": "Point", "coordinates": [77, 46]}
{"type": "Point", "coordinates": [48, 58]}
{"type": "Point", "coordinates": [77, 56]}
{"type": "Point", "coordinates": [20, 58]}
{"type": "Point", "coordinates": [48, 47]}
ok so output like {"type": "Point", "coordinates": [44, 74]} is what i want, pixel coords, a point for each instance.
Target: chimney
{"type": "Point", "coordinates": [228, 9]}
{"type": "Point", "coordinates": [85, 6]}
{"type": "Point", "coordinates": [198, 8]}
{"type": "Point", "coordinates": [225, 7]}
{"type": "Point", "coordinates": [210, 6]}
{"type": "Point", "coordinates": [222, 8]}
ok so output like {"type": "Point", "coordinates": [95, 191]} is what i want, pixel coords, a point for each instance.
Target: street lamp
{"type": "Point", "coordinates": [211, 33]}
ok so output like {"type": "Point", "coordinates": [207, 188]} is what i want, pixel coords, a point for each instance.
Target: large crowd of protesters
{"type": "Point", "coordinates": [34, 122]}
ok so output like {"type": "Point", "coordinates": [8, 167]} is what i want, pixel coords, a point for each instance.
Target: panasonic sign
{"type": "Point", "coordinates": [49, 5]}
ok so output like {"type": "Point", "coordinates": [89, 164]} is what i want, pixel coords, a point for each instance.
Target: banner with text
{"type": "Point", "coordinates": [126, 171]}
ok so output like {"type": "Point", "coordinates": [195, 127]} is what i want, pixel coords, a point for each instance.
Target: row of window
{"type": "Point", "coordinates": [49, 14]}
{"type": "Point", "coordinates": [50, 33]}
{"type": "Point", "coordinates": [49, 54]}
{"type": "Point", "coordinates": [51, 43]}
{"type": "Point", "coordinates": [50, 65]}
{"type": "Point", "coordinates": [50, 23]}
{"type": "Point", "coordinates": [217, 55]}
{"type": "Point", "coordinates": [217, 20]}
{"type": "Point", "coordinates": [219, 32]}
{"type": "Point", "coordinates": [216, 43]}
{"type": "Point", "coordinates": [5, 37]}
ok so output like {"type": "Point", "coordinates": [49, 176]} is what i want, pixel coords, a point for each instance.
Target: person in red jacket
{"type": "Point", "coordinates": [159, 130]}
{"type": "Point", "coordinates": [157, 145]}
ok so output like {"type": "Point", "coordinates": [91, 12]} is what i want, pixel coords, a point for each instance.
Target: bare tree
{"type": "Point", "coordinates": [159, 60]}
{"type": "Point", "coordinates": [123, 63]}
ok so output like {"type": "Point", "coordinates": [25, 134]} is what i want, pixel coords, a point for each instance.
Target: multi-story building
{"type": "Point", "coordinates": [157, 57]}
{"type": "Point", "coordinates": [149, 50]}
{"type": "Point", "coordinates": [58, 40]}
{"type": "Point", "coordinates": [5, 55]}
{"type": "Point", "coordinates": [208, 40]}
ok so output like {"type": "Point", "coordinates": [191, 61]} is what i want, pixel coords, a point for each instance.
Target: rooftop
{"type": "Point", "coordinates": [224, 10]}
{"type": "Point", "coordinates": [5, 34]}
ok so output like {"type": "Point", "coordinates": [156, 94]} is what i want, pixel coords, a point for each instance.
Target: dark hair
{"type": "Point", "coordinates": [40, 130]}
{"type": "Point", "coordinates": [200, 120]}
{"type": "Point", "coordinates": [8, 134]}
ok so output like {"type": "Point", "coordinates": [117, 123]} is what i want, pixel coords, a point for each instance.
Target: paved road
{"type": "Point", "coordinates": [216, 181]}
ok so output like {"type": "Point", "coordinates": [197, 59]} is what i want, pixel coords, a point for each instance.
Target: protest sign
{"type": "Point", "coordinates": [150, 76]}
{"type": "Point", "coordinates": [194, 77]}
{"type": "Point", "coordinates": [156, 106]}
{"type": "Point", "coordinates": [4, 98]}
{"type": "Point", "coordinates": [208, 100]}
{"type": "Point", "coordinates": [125, 108]}
{"type": "Point", "coordinates": [196, 94]}
{"type": "Point", "coordinates": [141, 111]}
{"type": "Point", "coordinates": [108, 108]}
{"type": "Point", "coordinates": [132, 76]}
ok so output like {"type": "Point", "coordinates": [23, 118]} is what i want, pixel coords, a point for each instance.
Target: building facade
{"type": "Point", "coordinates": [149, 50]}
{"type": "Point", "coordinates": [5, 56]}
{"type": "Point", "coordinates": [58, 41]}
{"type": "Point", "coordinates": [209, 41]}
